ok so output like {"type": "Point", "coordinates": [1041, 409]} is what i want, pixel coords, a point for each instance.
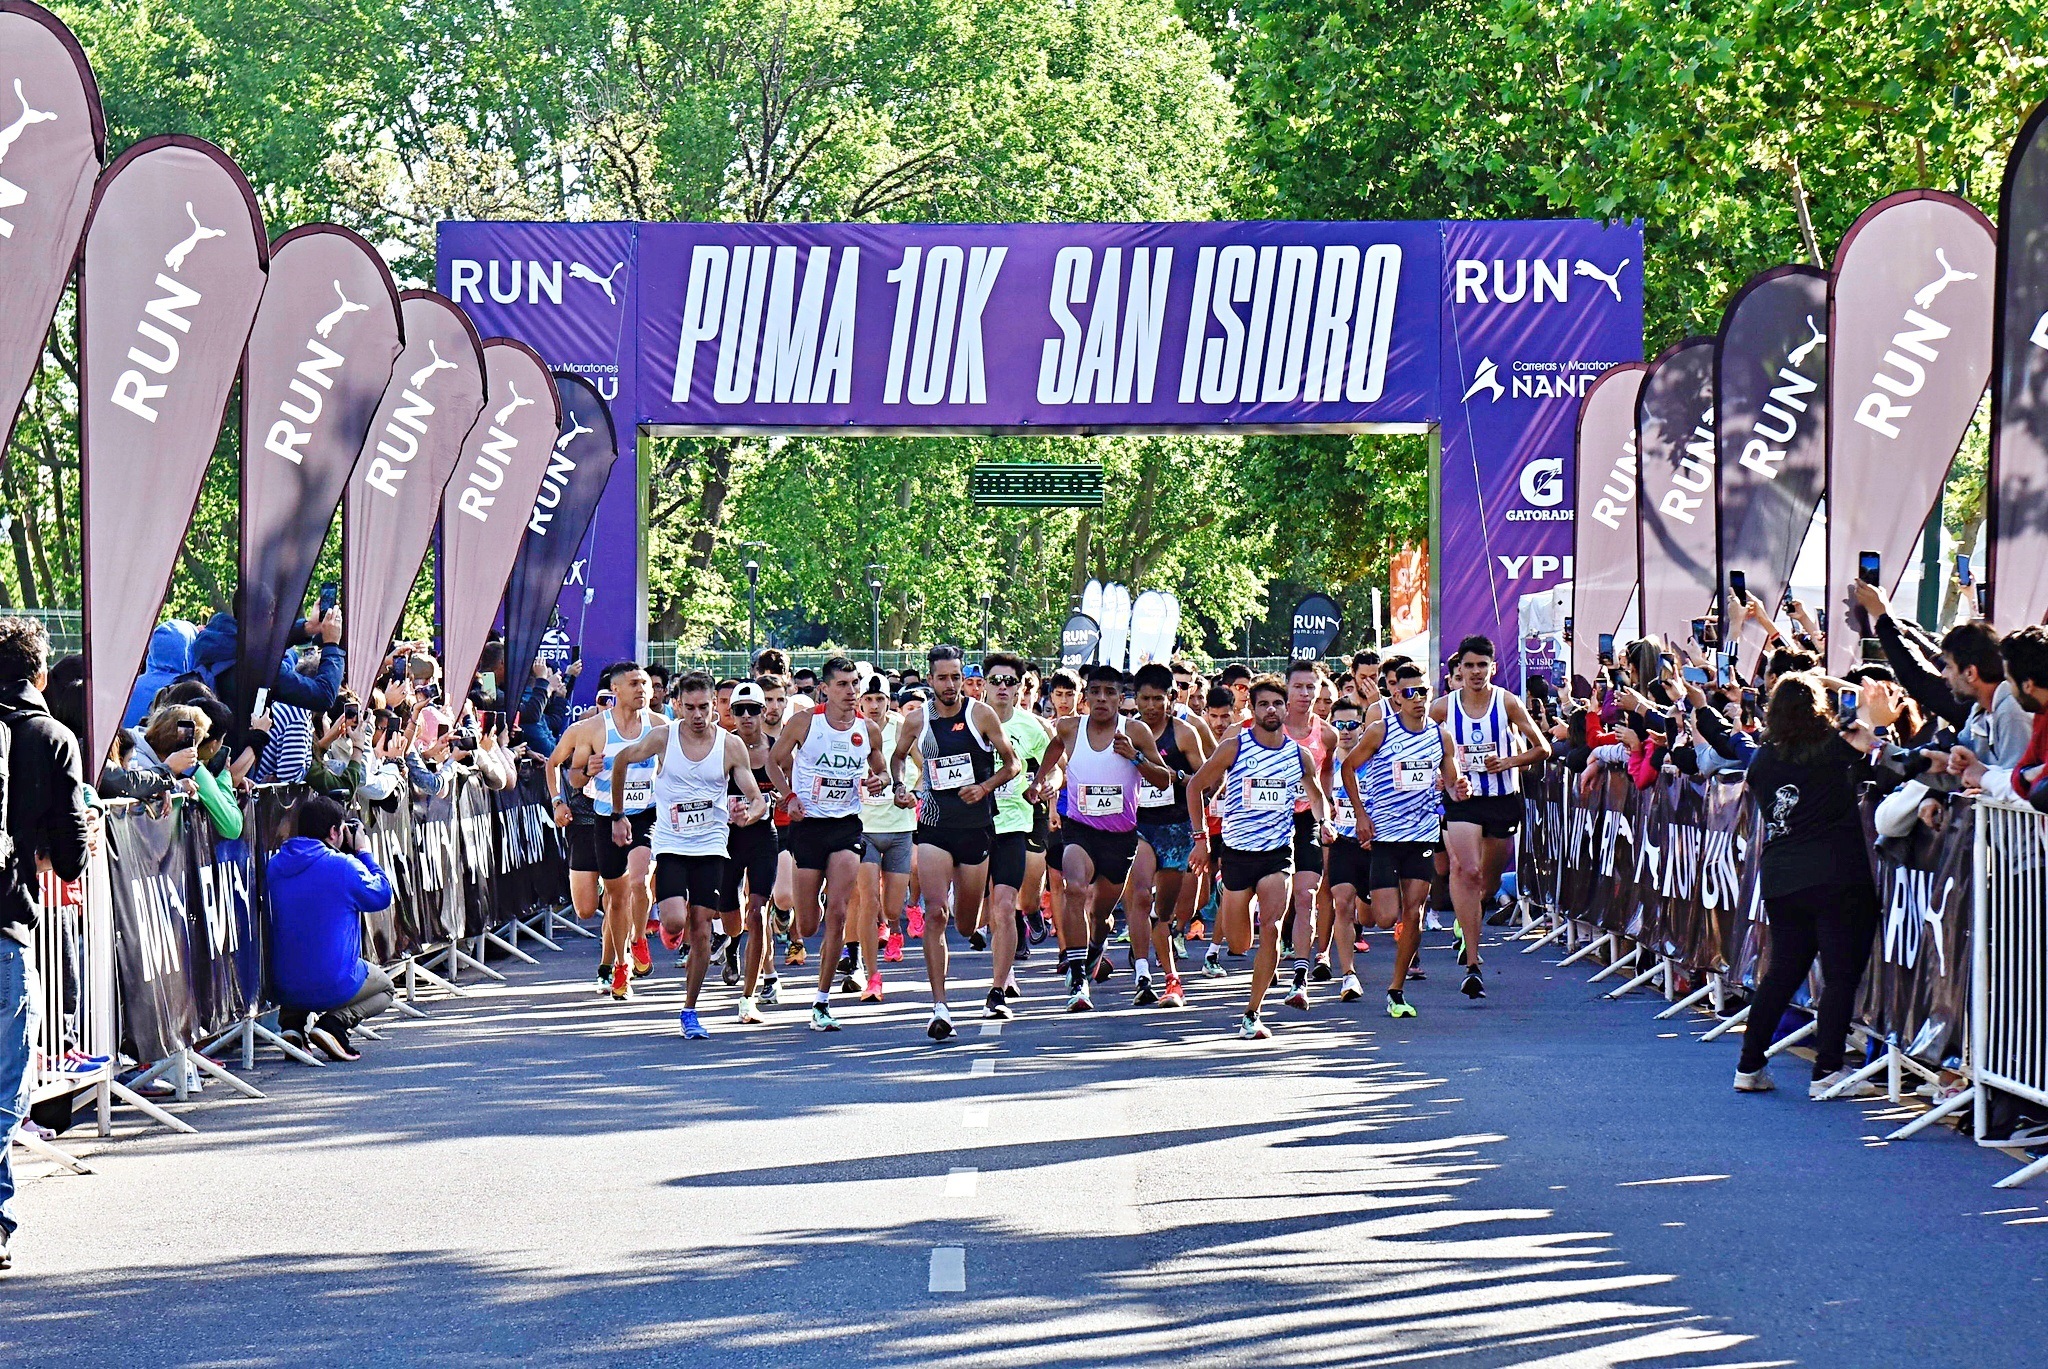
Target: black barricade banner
{"type": "Point", "coordinates": [174, 261]}
{"type": "Point", "coordinates": [476, 815]}
{"type": "Point", "coordinates": [1080, 639]}
{"type": "Point", "coordinates": [434, 396]}
{"type": "Point", "coordinates": [2017, 534]}
{"type": "Point", "coordinates": [388, 831]}
{"type": "Point", "coordinates": [1317, 621]}
{"type": "Point", "coordinates": [577, 472]}
{"type": "Point", "coordinates": [149, 866]}
{"type": "Point", "coordinates": [531, 868]}
{"type": "Point", "coordinates": [1675, 509]}
{"type": "Point", "coordinates": [1917, 989]}
{"type": "Point", "coordinates": [1909, 355]}
{"type": "Point", "coordinates": [1606, 560]}
{"type": "Point", "coordinates": [1770, 391]}
{"type": "Point", "coordinates": [438, 909]}
{"type": "Point", "coordinates": [322, 348]}
{"type": "Point", "coordinates": [1539, 842]}
{"type": "Point", "coordinates": [52, 137]}
{"type": "Point", "coordinates": [485, 508]}
{"type": "Point", "coordinates": [224, 945]}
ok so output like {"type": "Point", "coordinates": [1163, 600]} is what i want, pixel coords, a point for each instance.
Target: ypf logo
{"type": "Point", "coordinates": [1543, 483]}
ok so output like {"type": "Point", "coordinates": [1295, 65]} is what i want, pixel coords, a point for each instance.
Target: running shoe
{"type": "Point", "coordinates": [1320, 972]}
{"type": "Point", "coordinates": [1198, 930]}
{"type": "Point", "coordinates": [1415, 966]}
{"type": "Point", "coordinates": [977, 940]}
{"type": "Point", "coordinates": [796, 952]}
{"type": "Point", "coordinates": [333, 1042]}
{"type": "Point", "coordinates": [847, 954]}
{"type": "Point", "coordinates": [731, 974]}
{"type": "Point", "coordinates": [1144, 997]}
{"type": "Point", "coordinates": [997, 1006]}
{"type": "Point", "coordinates": [1474, 986]}
{"type": "Point", "coordinates": [1754, 1081]}
{"type": "Point", "coordinates": [750, 1011]}
{"type": "Point", "coordinates": [683, 957]}
{"type": "Point", "coordinates": [941, 1025]}
{"type": "Point", "coordinates": [848, 984]}
{"type": "Point", "coordinates": [1080, 1000]}
{"type": "Point", "coordinates": [1103, 970]}
{"type": "Point", "coordinates": [1174, 996]}
{"type": "Point", "coordinates": [1458, 941]}
{"type": "Point", "coordinates": [1361, 945]}
{"type": "Point", "coordinates": [1212, 966]}
{"type": "Point", "coordinates": [718, 944]}
{"type": "Point", "coordinates": [1123, 935]}
{"type": "Point", "coordinates": [693, 1030]}
{"type": "Point", "coordinates": [822, 1019]}
{"type": "Point", "coordinates": [604, 979]}
{"type": "Point", "coordinates": [1298, 998]}
{"type": "Point", "coordinates": [1251, 1028]}
{"type": "Point", "coordinates": [1398, 1006]}
{"type": "Point", "coordinates": [892, 949]}
{"type": "Point", "coordinates": [1023, 948]}
{"type": "Point", "coordinates": [1010, 989]}
{"type": "Point", "coordinates": [783, 919]}
{"type": "Point", "coordinates": [1180, 946]}
{"type": "Point", "coordinates": [1286, 950]}
{"type": "Point", "coordinates": [771, 990]}
{"type": "Point", "coordinates": [1039, 930]}
{"type": "Point", "coordinates": [1353, 990]}
{"type": "Point", "coordinates": [873, 992]}
{"type": "Point", "coordinates": [643, 958]}
{"type": "Point", "coordinates": [622, 987]}
{"type": "Point", "coordinates": [914, 919]}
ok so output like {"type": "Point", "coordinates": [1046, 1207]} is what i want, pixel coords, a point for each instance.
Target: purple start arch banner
{"type": "Point", "coordinates": [1483, 333]}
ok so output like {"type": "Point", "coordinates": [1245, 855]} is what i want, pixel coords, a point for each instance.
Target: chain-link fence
{"type": "Point", "coordinates": [65, 626]}
{"type": "Point", "coordinates": [722, 665]}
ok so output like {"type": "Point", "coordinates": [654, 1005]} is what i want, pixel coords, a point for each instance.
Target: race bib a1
{"type": "Point", "coordinates": [1477, 754]}
{"type": "Point", "coordinates": [1267, 795]}
{"type": "Point", "coordinates": [689, 816]}
{"type": "Point", "coordinates": [1102, 800]}
{"type": "Point", "coordinates": [1149, 797]}
{"type": "Point", "coordinates": [950, 772]}
{"type": "Point", "coordinates": [1413, 776]}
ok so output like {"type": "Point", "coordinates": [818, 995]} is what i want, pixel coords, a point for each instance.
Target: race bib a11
{"type": "Point", "coordinates": [1475, 755]}
{"type": "Point", "coordinates": [689, 816]}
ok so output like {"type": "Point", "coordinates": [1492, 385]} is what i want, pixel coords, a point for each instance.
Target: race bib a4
{"type": "Point", "coordinates": [950, 772]}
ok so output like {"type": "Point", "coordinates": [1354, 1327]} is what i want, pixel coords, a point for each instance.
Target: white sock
{"type": "Point", "coordinates": [1141, 969]}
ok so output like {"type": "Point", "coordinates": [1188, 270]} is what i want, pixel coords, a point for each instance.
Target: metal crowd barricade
{"type": "Point", "coordinates": [2009, 974]}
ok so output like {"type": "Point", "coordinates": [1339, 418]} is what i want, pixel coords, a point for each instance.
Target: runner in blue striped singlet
{"type": "Point", "coordinates": [1495, 737]}
{"type": "Point", "coordinates": [1396, 779]}
{"type": "Point", "coordinates": [1261, 770]}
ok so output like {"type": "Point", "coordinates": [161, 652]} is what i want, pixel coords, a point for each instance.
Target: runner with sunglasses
{"type": "Point", "coordinates": [752, 852]}
{"type": "Point", "coordinates": [967, 758]}
{"type": "Point", "coordinates": [1396, 780]}
{"type": "Point", "coordinates": [1347, 862]}
{"type": "Point", "coordinates": [888, 849]}
{"type": "Point", "coordinates": [1165, 840]}
{"type": "Point", "coordinates": [1009, 864]}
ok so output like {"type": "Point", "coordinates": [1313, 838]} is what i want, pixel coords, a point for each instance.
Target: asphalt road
{"type": "Point", "coordinates": [535, 1175]}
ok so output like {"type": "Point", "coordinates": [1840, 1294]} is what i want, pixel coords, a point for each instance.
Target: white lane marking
{"type": "Point", "coordinates": [974, 1117]}
{"type": "Point", "coordinates": [949, 1269]}
{"type": "Point", "coordinates": [960, 1182]}
{"type": "Point", "coordinates": [981, 1069]}
{"type": "Point", "coordinates": [1676, 1179]}
{"type": "Point", "coordinates": [991, 1029]}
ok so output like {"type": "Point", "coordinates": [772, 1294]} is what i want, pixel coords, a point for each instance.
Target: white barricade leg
{"type": "Point", "coordinates": [1605, 939]}
{"type": "Point", "coordinates": [224, 1074]}
{"type": "Point", "coordinates": [1662, 967]}
{"type": "Point", "coordinates": [1704, 991]}
{"type": "Point", "coordinates": [36, 1145]}
{"type": "Point", "coordinates": [1934, 1114]}
{"type": "Point", "coordinates": [1563, 928]}
{"type": "Point", "coordinates": [508, 947]}
{"type": "Point", "coordinates": [1726, 1025]}
{"type": "Point", "coordinates": [1788, 1041]}
{"type": "Point", "coordinates": [1619, 963]}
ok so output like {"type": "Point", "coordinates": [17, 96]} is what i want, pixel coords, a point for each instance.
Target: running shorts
{"type": "Point", "coordinates": [1350, 864]}
{"type": "Point", "coordinates": [751, 854]}
{"type": "Point", "coordinates": [591, 847]}
{"type": "Point", "coordinates": [697, 880]}
{"type": "Point", "coordinates": [1496, 815]}
{"type": "Point", "coordinates": [1041, 829]}
{"type": "Point", "coordinates": [890, 850]}
{"type": "Point", "coordinates": [1396, 862]}
{"type": "Point", "coordinates": [812, 842]}
{"type": "Point", "coordinates": [1308, 846]}
{"type": "Point", "coordinates": [1242, 870]}
{"type": "Point", "coordinates": [1055, 845]}
{"type": "Point", "coordinates": [1171, 843]}
{"type": "Point", "coordinates": [966, 845]}
{"type": "Point", "coordinates": [1006, 859]}
{"type": "Point", "coordinates": [1111, 852]}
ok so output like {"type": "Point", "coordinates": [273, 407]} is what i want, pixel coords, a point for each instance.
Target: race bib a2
{"type": "Point", "coordinates": [1413, 776]}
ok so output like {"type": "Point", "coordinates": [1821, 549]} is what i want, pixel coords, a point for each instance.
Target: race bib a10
{"type": "Point", "coordinates": [1267, 795]}
{"type": "Point", "coordinates": [1477, 754]}
{"type": "Point", "coordinates": [1102, 800]}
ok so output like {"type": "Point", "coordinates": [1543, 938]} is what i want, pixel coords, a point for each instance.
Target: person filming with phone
{"type": "Point", "coordinates": [322, 881]}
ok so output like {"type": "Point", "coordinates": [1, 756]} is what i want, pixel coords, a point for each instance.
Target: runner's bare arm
{"type": "Point", "coordinates": [784, 752]}
{"type": "Point", "coordinates": [1369, 743]}
{"type": "Point", "coordinates": [1150, 763]}
{"type": "Point", "coordinates": [1199, 784]}
{"type": "Point", "coordinates": [908, 730]}
{"type": "Point", "coordinates": [1318, 802]}
{"type": "Point", "coordinates": [743, 775]}
{"type": "Point", "coordinates": [648, 747]}
{"type": "Point", "coordinates": [1049, 763]}
{"type": "Point", "coordinates": [1519, 719]}
{"type": "Point", "coordinates": [1008, 766]}
{"type": "Point", "coordinates": [1454, 780]}
{"type": "Point", "coordinates": [1195, 741]}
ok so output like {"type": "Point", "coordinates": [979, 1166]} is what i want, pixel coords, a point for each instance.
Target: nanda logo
{"type": "Point", "coordinates": [1486, 378]}
{"type": "Point", "coordinates": [469, 279]}
{"type": "Point", "coordinates": [1537, 280]}
{"type": "Point", "coordinates": [1560, 380]}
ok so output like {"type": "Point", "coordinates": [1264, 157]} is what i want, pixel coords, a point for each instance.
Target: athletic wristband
{"type": "Point", "coordinates": [1201, 836]}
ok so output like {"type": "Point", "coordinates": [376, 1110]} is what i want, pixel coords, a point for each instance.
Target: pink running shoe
{"type": "Point", "coordinates": [874, 989]}
{"type": "Point", "coordinates": [916, 920]}
{"type": "Point", "coordinates": [892, 949]}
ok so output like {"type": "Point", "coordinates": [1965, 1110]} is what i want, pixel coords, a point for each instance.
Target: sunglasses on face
{"type": "Point", "coordinates": [1415, 692]}
{"type": "Point", "coordinates": [746, 710]}
{"type": "Point", "coordinates": [1346, 724]}
{"type": "Point", "coordinates": [1003, 681]}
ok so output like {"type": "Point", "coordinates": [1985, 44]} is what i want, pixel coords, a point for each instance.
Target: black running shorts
{"type": "Point", "coordinates": [1497, 815]}
{"type": "Point", "coordinates": [1006, 859]}
{"type": "Point", "coordinates": [697, 880]}
{"type": "Point", "coordinates": [592, 848]}
{"type": "Point", "coordinates": [1350, 864]}
{"type": "Point", "coordinates": [752, 857]}
{"type": "Point", "coordinates": [1111, 852]}
{"type": "Point", "coordinates": [1395, 862]}
{"type": "Point", "coordinates": [1242, 870]}
{"type": "Point", "coordinates": [966, 845]}
{"type": "Point", "coordinates": [812, 842]}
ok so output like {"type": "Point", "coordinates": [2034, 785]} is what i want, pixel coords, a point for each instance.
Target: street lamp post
{"type": "Point", "coordinates": [753, 586]}
{"type": "Point", "coordinates": [875, 574]}
{"type": "Point", "coordinates": [986, 600]}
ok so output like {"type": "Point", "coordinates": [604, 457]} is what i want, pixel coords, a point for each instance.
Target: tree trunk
{"type": "Point", "coordinates": [18, 532]}
{"type": "Point", "coordinates": [209, 583]}
{"type": "Point", "coordinates": [1083, 526]}
{"type": "Point", "coordinates": [711, 505]}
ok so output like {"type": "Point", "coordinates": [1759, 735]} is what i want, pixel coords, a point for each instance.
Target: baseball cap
{"type": "Point", "coordinates": [874, 684]}
{"type": "Point", "coordinates": [972, 672]}
{"type": "Point", "coordinates": [747, 693]}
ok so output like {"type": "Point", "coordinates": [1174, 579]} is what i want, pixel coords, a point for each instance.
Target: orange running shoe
{"type": "Point", "coordinates": [796, 952]}
{"type": "Point", "coordinates": [643, 959]}
{"type": "Point", "coordinates": [1174, 996]}
{"type": "Point", "coordinates": [622, 987]}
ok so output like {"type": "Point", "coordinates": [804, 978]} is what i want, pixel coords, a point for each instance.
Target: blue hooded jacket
{"type": "Point", "coordinates": [317, 898]}
{"type": "Point", "coordinates": [170, 655]}
{"type": "Point", "coordinates": [214, 650]}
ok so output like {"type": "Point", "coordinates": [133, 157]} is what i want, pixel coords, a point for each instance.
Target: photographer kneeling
{"type": "Point", "coordinates": [321, 883]}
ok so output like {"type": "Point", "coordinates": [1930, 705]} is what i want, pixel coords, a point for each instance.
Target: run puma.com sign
{"type": "Point", "coordinates": [1026, 326]}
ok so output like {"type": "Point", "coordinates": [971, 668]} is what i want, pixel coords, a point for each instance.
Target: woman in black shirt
{"type": "Point", "coordinates": [1817, 886]}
